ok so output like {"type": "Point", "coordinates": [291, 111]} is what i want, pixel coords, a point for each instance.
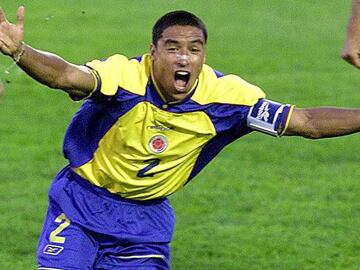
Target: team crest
{"type": "Point", "coordinates": [158, 144]}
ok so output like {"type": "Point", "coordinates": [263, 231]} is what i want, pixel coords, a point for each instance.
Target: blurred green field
{"type": "Point", "coordinates": [264, 203]}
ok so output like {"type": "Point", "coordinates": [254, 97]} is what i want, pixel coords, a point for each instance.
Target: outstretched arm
{"type": "Point", "coordinates": [323, 122]}
{"type": "Point", "coordinates": [351, 50]}
{"type": "Point", "coordinates": [47, 68]}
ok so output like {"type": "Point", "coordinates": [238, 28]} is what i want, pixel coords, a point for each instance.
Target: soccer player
{"type": "Point", "coordinates": [147, 126]}
{"type": "Point", "coordinates": [351, 50]}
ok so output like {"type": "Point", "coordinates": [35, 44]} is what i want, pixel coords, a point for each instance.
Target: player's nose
{"type": "Point", "coordinates": [183, 58]}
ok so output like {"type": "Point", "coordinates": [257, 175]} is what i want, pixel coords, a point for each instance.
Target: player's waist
{"type": "Point", "coordinates": [102, 191]}
{"type": "Point", "coordinates": [137, 185]}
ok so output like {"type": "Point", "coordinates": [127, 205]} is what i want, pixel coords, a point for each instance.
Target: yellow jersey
{"type": "Point", "coordinates": [127, 139]}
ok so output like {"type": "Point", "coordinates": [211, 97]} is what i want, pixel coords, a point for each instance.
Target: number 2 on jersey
{"type": "Point", "coordinates": [152, 163]}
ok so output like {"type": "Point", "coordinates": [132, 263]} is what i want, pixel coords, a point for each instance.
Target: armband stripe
{"type": "Point", "coordinates": [286, 120]}
{"type": "Point", "coordinates": [97, 85]}
{"type": "Point", "coordinates": [97, 79]}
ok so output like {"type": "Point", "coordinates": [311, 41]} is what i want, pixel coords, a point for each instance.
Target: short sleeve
{"type": "Point", "coordinates": [108, 73]}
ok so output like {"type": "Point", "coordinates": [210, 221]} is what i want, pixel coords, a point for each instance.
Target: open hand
{"type": "Point", "coordinates": [11, 35]}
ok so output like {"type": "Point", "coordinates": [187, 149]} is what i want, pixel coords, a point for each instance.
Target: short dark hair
{"type": "Point", "coordinates": [178, 17]}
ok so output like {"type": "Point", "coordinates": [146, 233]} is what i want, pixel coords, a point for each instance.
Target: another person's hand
{"type": "Point", "coordinates": [12, 35]}
{"type": "Point", "coordinates": [351, 51]}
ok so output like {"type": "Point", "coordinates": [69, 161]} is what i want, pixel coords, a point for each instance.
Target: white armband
{"type": "Point", "coordinates": [269, 117]}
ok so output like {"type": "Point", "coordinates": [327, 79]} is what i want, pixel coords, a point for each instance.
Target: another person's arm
{"type": "Point", "coordinates": [351, 50]}
{"type": "Point", "coordinates": [47, 68]}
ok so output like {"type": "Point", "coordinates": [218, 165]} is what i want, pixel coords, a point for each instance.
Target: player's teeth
{"type": "Point", "coordinates": [182, 73]}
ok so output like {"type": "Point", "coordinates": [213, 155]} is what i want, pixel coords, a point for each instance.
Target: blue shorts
{"type": "Point", "coordinates": [87, 227]}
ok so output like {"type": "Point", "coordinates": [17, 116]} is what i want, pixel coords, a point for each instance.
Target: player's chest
{"type": "Point", "coordinates": [151, 129]}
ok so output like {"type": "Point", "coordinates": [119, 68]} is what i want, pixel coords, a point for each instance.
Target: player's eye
{"type": "Point", "coordinates": [195, 50]}
{"type": "Point", "coordinates": [172, 49]}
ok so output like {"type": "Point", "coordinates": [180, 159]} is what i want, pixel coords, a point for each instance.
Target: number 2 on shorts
{"type": "Point", "coordinates": [64, 222]}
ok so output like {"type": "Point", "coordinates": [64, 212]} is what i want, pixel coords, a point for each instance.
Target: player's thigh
{"type": "Point", "coordinates": [64, 245]}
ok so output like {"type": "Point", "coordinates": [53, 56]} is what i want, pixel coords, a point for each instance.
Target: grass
{"type": "Point", "coordinates": [264, 203]}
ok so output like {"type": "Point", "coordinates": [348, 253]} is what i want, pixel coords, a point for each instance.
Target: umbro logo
{"type": "Point", "coordinates": [161, 128]}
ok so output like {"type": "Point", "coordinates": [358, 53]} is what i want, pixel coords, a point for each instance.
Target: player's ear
{"type": "Point", "coordinates": [152, 49]}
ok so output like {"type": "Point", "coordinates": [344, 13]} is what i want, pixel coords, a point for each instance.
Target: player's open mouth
{"type": "Point", "coordinates": [181, 79]}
